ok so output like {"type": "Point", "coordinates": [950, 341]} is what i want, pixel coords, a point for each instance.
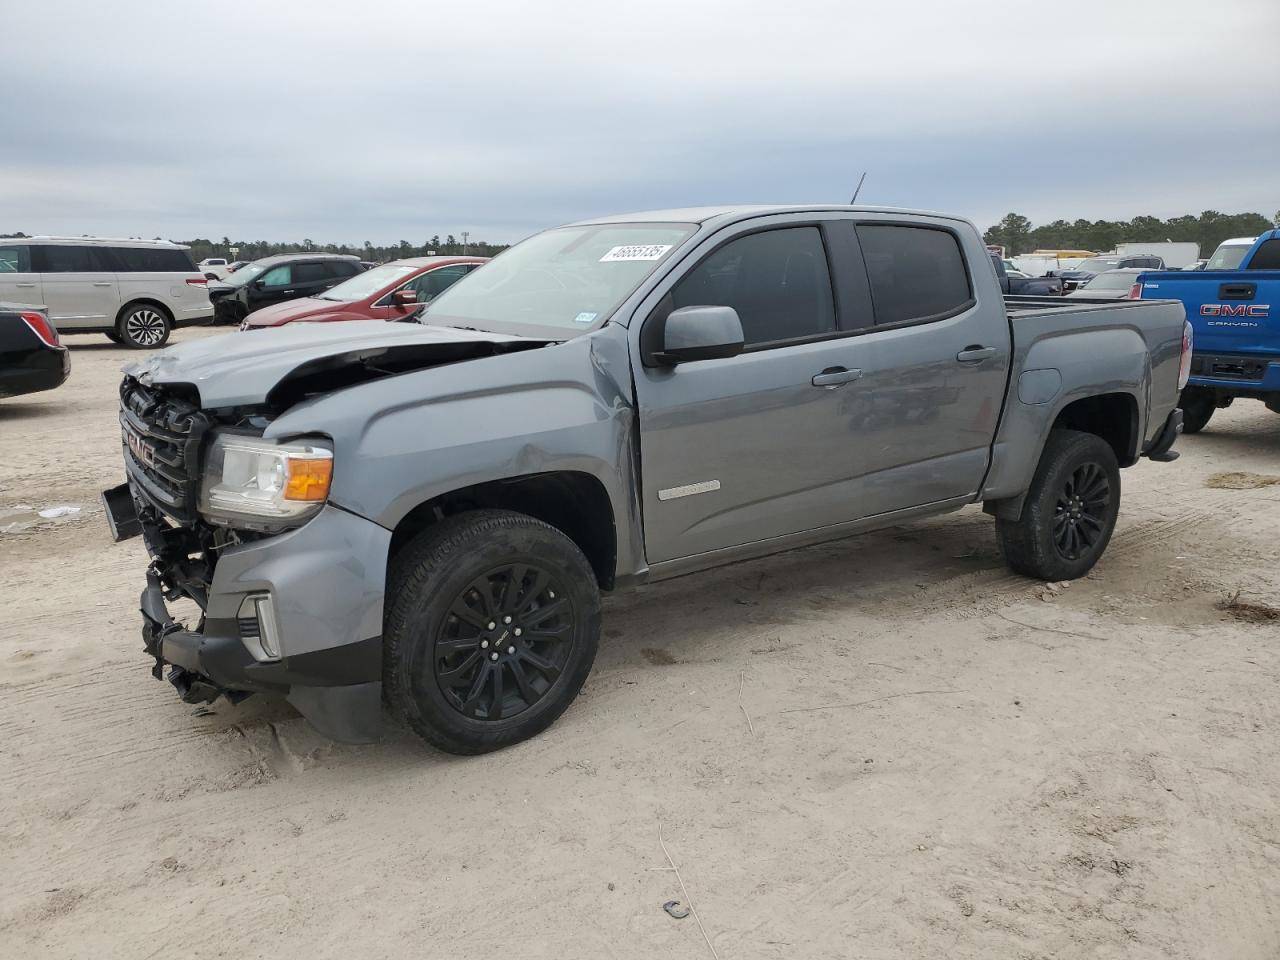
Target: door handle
{"type": "Point", "coordinates": [25, 286]}
{"type": "Point", "coordinates": [975, 354]}
{"type": "Point", "coordinates": [102, 283]}
{"type": "Point", "coordinates": [834, 376]}
{"type": "Point", "coordinates": [1237, 291]}
{"type": "Point", "coordinates": [288, 291]}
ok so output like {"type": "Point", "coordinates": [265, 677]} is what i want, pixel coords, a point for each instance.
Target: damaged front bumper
{"type": "Point", "coordinates": [325, 581]}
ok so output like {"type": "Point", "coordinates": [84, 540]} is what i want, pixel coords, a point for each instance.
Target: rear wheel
{"type": "Point", "coordinates": [1070, 510]}
{"type": "Point", "coordinates": [113, 336]}
{"type": "Point", "coordinates": [143, 326]}
{"type": "Point", "coordinates": [492, 624]}
{"type": "Point", "coordinates": [1197, 408]}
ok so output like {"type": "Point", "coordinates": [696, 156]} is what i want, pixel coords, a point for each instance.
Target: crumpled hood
{"type": "Point", "coordinates": [243, 368]}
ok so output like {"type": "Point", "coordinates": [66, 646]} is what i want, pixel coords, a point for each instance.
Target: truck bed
{"type": "Point", "coordinates": [1020, 307]}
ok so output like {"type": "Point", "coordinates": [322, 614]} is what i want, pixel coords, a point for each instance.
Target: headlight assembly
{"type": "Point", "coordinates": [250, 479]}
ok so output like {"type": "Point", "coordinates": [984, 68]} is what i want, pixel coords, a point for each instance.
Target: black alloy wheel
{"type": "Point", "coordinates": [1080, 517]}
{"type": "Point", "coordinates": [504, 642]}
{"type": "Point", "coordinates": [491, 624]}
{"type": "Point", "coordinates": [1069, 511]}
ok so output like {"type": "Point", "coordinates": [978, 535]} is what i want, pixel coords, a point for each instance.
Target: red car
{"type": "Point", "coordinates": [386, 292]}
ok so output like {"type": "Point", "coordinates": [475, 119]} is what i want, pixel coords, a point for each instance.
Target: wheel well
{"type": "Point", "coordinates": [139, 302]}
{"type": "Point", "coordinates": [576, 504]}
{"type": "Point", "coordinates": [1111, 416]}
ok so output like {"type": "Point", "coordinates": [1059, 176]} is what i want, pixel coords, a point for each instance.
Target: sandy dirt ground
{"type": "Point", "coordinates": [942, 759]}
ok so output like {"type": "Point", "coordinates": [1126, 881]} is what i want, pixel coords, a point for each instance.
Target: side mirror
{"type": "Point", "coordinates": [699, 333]}
{"type": "Point", "coordinates": [259, 283]}
{"type": "Point", "coordinates": [403, 298]}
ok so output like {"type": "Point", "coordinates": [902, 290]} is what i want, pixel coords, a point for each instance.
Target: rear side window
{"type": "Point", "coordinates": [152, 260]}
{"type": "Point", "coordinates": [777, 280]}
{"type": "Point", "coordinates": [15, 259]}
{"type": "Point", "coordinates": [343, 268]}
{"type": "Point", "coordinates": [309, 273]}
{"type": "Point", "coordinates": [1267, 257]}
{"type": "Point", "coordinates": [916, 273]}
{"type": "Point", "coordinates": [57, 258]}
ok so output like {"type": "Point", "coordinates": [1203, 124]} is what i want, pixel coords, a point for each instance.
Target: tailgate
{"type": "Point", "coordinates": [1232, 312]}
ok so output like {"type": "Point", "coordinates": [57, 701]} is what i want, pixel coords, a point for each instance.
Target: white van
{"type": "Point", "coordinates": [134, 291]}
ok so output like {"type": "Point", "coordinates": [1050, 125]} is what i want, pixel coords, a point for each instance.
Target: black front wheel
{"type": "Point", "coordinates": [492, 623]}
{"type": "Point", "coordinates": [1070, 510]}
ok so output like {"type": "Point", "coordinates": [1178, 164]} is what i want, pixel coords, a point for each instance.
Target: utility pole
{"type": "Point", "coordinates": [465, 234]}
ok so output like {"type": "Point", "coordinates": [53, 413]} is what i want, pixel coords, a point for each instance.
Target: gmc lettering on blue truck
{"type": "Point", "coordinates": [1236, 318]}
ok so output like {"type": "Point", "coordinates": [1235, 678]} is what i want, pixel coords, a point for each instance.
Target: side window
{"type": "Point", "coordinates": [435, 282]}
{"type": "Point", "coordinates": [278, 276]}
{"type": "Point", "coordinates": [310, 273]}
{"type": "Point", "coordinates": [1267, 257]}
{"type": "Point", "coordinates": [777, 280]}
{"type": "Point", "coordinates": [916, 273]}
{"type": "Point", "coordinates": [15, 259]}
{"type": "Point", "coordinates": [343, 268]}
{"type": "Point", "coordinates": [67, 259]}
{"type": "Point", "coordinates": [151, 260]}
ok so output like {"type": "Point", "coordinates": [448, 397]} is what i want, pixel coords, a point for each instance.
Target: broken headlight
{"type": "Point", "coordinates": [260, 484]}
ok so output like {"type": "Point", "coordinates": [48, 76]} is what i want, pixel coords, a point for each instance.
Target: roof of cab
{"type": "Point", "coordinates": [746, 211]}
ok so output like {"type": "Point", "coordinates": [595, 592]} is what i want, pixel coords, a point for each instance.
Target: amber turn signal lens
{"type": "Point", "coordinates": [309, 479]}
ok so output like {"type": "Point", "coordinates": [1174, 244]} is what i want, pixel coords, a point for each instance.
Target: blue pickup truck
{"type": "Point", "coordinates": [1236, 318]}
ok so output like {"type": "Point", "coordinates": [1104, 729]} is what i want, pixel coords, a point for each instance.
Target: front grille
{"type": "Point", "coordinates": [161, 437]}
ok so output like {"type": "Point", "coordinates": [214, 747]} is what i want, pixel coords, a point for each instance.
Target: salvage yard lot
{"type": "Point", "coordinates": [884, 747]}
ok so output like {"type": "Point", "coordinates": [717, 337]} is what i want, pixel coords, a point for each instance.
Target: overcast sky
{"type": "Point", "coordinates": [383, 121]}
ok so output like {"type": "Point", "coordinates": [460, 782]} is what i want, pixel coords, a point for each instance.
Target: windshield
{"type": "Point", "coordinates": [1228, 256]}
{"type": "Point", "coordinates": [246, 273]}
{"type": "Point", "coordinates": [370, 282]}
{"type": "Point", "coordinates": [1097, 264]}
{"type": "Point", "coordinates": [1115, 280]}
{"type": "Point", "coordinates": [569, 279]}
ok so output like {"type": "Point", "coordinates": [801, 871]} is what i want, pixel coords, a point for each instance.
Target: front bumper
{"type": "Point", "coordinates": [326, 580]}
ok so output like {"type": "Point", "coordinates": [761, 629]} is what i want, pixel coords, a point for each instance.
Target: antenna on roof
{"type": "Point", "coordinates": [858, 189]}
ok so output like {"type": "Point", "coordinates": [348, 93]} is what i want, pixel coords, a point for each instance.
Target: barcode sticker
{"type": "Point", "coordinates": [645, 251]}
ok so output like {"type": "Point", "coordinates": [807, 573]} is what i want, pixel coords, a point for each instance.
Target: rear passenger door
{"type": "Point", "coordinates": [19, 282]}
{"type": "Point", "coordinates": [78, 284]}
{"type": "Point", "coordinates": [934, 362]}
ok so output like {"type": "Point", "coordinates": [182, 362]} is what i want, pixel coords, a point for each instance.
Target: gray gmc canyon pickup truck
{"type": "Point", "coordinates": [423, 515]}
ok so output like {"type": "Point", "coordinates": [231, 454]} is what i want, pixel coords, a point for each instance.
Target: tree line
{"type": "Point", "coordinates": [1017, 235]}
{"type": "Point", "coordinates": [202, 248]}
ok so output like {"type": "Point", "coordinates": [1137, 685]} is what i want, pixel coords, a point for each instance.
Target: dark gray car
{"type": "Point", "coordinates": [426, 515]}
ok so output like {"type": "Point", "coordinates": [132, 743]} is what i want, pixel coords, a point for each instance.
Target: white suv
{"type": "Point", "coordinates": [134, 291]}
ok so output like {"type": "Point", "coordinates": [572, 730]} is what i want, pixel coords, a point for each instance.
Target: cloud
{"type": "Point", "coordinates": [387, 120]}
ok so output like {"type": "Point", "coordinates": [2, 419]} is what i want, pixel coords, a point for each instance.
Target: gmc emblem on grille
{"type": "Point", "coordinates": [1235, 310]}
{"type": "Point", "coordinates": [140, 450]}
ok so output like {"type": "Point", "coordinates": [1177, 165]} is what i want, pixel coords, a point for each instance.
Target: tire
{"type": "Point", "coordinates": [1197, 409]}
{"type": "Point", "coordinates": [114, 336]}
{"type": "Point", "coordinates": [143, 326]}
{"type": "Point", "coordinates": [1070, 510]}
{"type": "Point", "coordinates": [440, 654]}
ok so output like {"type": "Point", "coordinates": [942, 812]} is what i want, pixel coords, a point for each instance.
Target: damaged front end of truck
{"type": "Point", "coordinates": [239, 525]}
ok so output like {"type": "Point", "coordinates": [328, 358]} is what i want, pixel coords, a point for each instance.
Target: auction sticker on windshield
{"type": "Point", "coordinates": [642, 251]}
